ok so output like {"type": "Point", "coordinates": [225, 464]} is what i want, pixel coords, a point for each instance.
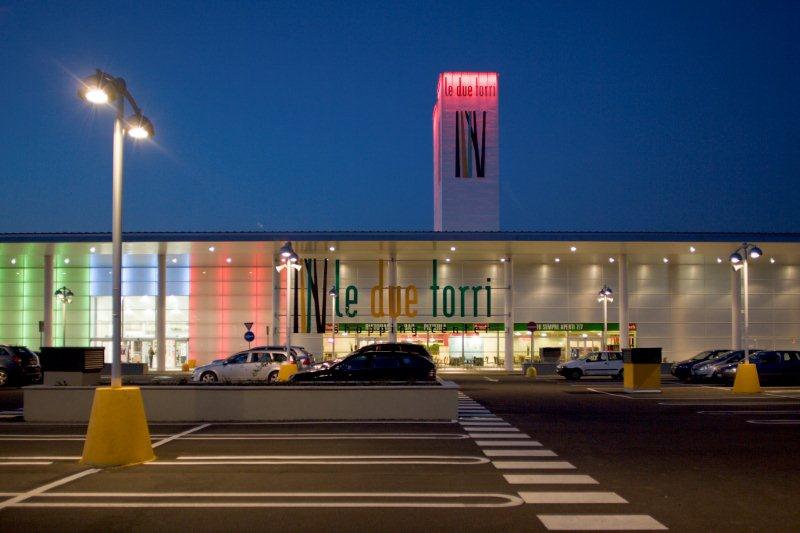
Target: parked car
{"type": "Point", "coordinates": [374, 365]}
{"type": "Point", "coordinates": [711, 370]}
{"type": "Point", "coordinates": [406, 347]}
{"type": "Point", "coordinates": [18, 365]}
{"type": "Point", "coordinates": [592, 364]}
{"type": "Point", "coordinates": [771, 365]}
{"type": "Point", "coordinates": [683, 369]}
{"type": "Point", "coordinates": [256, 364]}
{"type": "Point", "coordinates": [304, 357]}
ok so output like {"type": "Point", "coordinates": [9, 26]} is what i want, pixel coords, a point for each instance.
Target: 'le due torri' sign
{"type": "Point", "coordinates": [396, 301]}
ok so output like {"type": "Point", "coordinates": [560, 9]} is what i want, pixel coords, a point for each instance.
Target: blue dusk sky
{"type": "Point", "coordinates": [614, 115]}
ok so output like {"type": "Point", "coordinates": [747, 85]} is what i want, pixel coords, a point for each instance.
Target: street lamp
{"type": "Point", "coordinates": [333, 293]}
{"type": "Point", "coordinates": [103, 88]}
{"type": "Point", "coordinates": [64, 296]}
{"type": "Point", "coordinates": [739, 262]}
{"type": "Point", "coordinates": [606, 296]}
{"type": "Point", "coordinates": [288, 263]}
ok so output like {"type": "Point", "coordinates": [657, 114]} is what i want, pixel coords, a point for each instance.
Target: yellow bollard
{"type": "Point", "coordinates": [118, 434]}
{"type": "Point", "coordinates": [531, 372]}
{"type": "Point", "coordinates": [286, 371]}
{"type": "Point", "coordinates": [746, 381]}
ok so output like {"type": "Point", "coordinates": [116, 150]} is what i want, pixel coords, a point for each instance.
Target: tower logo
{"type": "Point", "coordinates": [470, 152]}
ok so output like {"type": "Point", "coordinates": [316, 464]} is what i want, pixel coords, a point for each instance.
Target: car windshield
{"type": "Point", "coordinates": [702, 356]}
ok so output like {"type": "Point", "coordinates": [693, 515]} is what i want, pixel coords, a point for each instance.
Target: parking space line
{"type": "Point", "coordinates": [533, 465]}
{"type": "Point", "coordinates": [550, 479]}
{"type": "Point", "coordinates": [584, 498]}
{"type": "Point", "coordinates": [499, 435]}
{"type": "Point", "coordinates": [490, 428]}
{"type": "Point", "coordinates": [626, 396]}
{"type": "Point", "coordinates": [470, 423]}
{"type": "Point", "coordinates": [744, 412]}
{"type": "Point", "coordinates": [784, 422]}
{"type": "Point", "coordinates": [420, 460]}
{"type": "Point", "coordinates": [17, 500]}
{"type": "Point", "coordinates": [180, 435]}
{"type": "Point", "coordinates": [25, 463]}
{"type": "Point", "coordinates": [507, 443]}
{"type": "Point", "coordinates": [282, 499]}
{"type": "Point", "coordinates": [519, 453]}
{"type": "Point", "coordinates": [600, 522]}
{"type": "Point", "coordinates": [493, 380]}
{"type": "Point", "coordinates": [691, 403]}
{"type": "Point", "coordinates": [40, 458]}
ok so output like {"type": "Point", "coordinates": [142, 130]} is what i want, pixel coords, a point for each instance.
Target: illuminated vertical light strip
{"type": "Point", "coordinates": [193, 311]}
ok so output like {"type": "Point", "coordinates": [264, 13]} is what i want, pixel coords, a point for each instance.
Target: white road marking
{"type": "Point", "coordinates": [283, 499]}
{"type": "Point", "coordinates": [179, 435]}
{"type": "Point", "coordinates": [470, 423]}
{"type": "Point", "coordinates": [507, 443]}
{"type": "Point", "coordinates": [491, 379]}
{"type": "Point", "coordinates": [519, 453]}
{"type": "Point", "coordinates": [572, 497]}
{"type": "Point", "coordinates": [17, 500]}
{"type": "Point", "coordinates": [533, 465]}
{"type": "Point", "coordinates": [467, 459]}
{"type": "Point", "coordinates": [600, 522]}
{"type": "Point", "coordinates": [551, 479]}
{"type": "Point", "coordinates": [489, 428]}
{"type": "Point", "coordinates": [499, 435]}
{"type": "Point", "coordinates": [40, 458]}
{"type": "Point", "coordinates": [626, 396]}
{"type": "Point", "coordinates": [785, 422]}
{"type": "Point", "coordinates": [743, 412]}
{"type": "Point", "coordinates": [333, 436]}
{"type": "Point", "coordinates": [724, 404]}
{"type": "Point", "coordinates": [26, 463]}
{"type": "Point", "coordinates": [10, 416]}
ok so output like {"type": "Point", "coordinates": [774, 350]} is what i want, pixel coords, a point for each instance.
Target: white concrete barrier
{"type": "Point", "coordinates": [188, 403]}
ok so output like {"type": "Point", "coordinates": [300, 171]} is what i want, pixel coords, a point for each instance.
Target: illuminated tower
{"type": "Point", "coordinates": [466, 153]}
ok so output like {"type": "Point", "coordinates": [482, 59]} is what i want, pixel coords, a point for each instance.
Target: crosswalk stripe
{"type": "Point", "coordinates": [572, 497]}
{"type": "Point", "coordinates": [600, 522]}
{"type": "Point", "coordinates": [499, 435]}
{"type": "Point", "coordinates": [507, 443]}
{"type": "Point", "coordinates": [519, 453]}
{"type": "Point", "coordinates": [552, 479]}
{"type": "Point", "coordinates": [533, 465]}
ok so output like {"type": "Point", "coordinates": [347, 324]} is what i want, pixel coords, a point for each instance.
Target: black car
{"type": "Point", "coordinates": [18, 365]}
{"type": "Point", "coordinates": [405, 347]}
{"type": "Point", "coordinates": [776, 366]}
{"type": "Point", "coordinates": [374, 365]}
{"type": "Point", "coordinates": [683, 369]}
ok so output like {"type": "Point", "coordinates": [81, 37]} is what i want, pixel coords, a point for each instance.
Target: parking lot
{"type": "Point", "coordinates": [524, 455]}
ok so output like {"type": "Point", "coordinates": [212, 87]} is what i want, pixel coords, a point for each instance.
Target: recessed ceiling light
{"type": "Point", "coordinates": [447, 259]}
{"type": "Point", "coordinates": [452, 248]}
{"type": "Point", "coordinates": [692, 249]}
{"type": "Point", "coordinates": [66, 260]}
{"type": "Point", "coordinates": [332, 248]}
{"type": "Point", "coordinates": [228, 260]}
{"type": "Point", "coordinates": [92, 249]}
{"type": "Point", "coordinates": [573, 249]}
{"type": "Point", "coordinates": [772, 260]}
{"type": "Point", "coordinates": [719, 260]}
{"type": "Point", "coordinates": [174, 259]}
{"type": "Point", "coordinates": [502, 259]}
{"type": "Point", "coordinates": [557, 260]}
{"type": "Point", "coordinates": [610, 259]}
{"type": "Point", "coordinates": [665, 260]}
{"type": "Point", "coordinates": [13, 261]}
{"type": "Point", "coordinates": [211, 248]}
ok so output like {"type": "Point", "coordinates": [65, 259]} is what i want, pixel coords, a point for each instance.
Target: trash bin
{"type": "Point", "coordinates": [642, 369]}
{"type": "Point", "coordinates": [73, 366]}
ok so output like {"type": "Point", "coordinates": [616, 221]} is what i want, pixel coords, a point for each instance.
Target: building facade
{"type": "Point", "coordinates": [467, 296]}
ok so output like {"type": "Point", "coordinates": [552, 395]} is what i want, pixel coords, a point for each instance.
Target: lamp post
{"type": "Point", "coordinates": [333, 293]}
{"type": "Point", "coordinates": [288, 263]}
{"type": "Point", "coordinates": [606, 296]}
{"type": "Point", "coordinates": [103, 88]}
{"type": "Point", "coordinates": [739, 262]}
{"type": "Point", "coordinates": [64, 296]}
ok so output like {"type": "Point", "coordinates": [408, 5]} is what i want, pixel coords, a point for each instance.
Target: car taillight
{"type": "Point", "coordinates": [305, 362]}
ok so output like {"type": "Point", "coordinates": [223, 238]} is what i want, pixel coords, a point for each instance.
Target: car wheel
{"type": "Point", "coordinates": [273, 377]}
{"type": "Point", "coordinates": [208, 377]}
{"type": "Point", "coordinates": [3, 378]}
{"type": "Point", "coordinates": [574, 375]}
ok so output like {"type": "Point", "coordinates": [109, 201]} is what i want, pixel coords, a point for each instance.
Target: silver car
{"type": "Point", "coordinates": [249, 365]}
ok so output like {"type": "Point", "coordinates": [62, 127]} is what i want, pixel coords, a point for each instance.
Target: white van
{"type": "Point", "coordinates": [592, 364]}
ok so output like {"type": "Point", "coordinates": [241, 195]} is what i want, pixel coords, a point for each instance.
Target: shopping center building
{"type": "Point", "coordinates": [468, 296]}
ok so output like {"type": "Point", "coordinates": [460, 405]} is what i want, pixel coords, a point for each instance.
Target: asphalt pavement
{"type": "Point", "coordinates": [525, 455]}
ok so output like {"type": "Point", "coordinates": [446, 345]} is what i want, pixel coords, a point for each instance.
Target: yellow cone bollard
{"type": "Point", "coordinates": [531, 372]}
{"type": "Point", "coordinates": [118, 434]}
{"type": "Point", "coordinates": [746, 381]}
{"type": "Point", "coordinates": [286, 371]}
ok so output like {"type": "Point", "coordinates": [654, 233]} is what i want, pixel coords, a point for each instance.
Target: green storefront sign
{"type": "Point", "coordinates": [380, 328]}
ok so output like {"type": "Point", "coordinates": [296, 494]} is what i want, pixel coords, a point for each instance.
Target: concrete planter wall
{"type": "Point", "coordinates": [253, 404]}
